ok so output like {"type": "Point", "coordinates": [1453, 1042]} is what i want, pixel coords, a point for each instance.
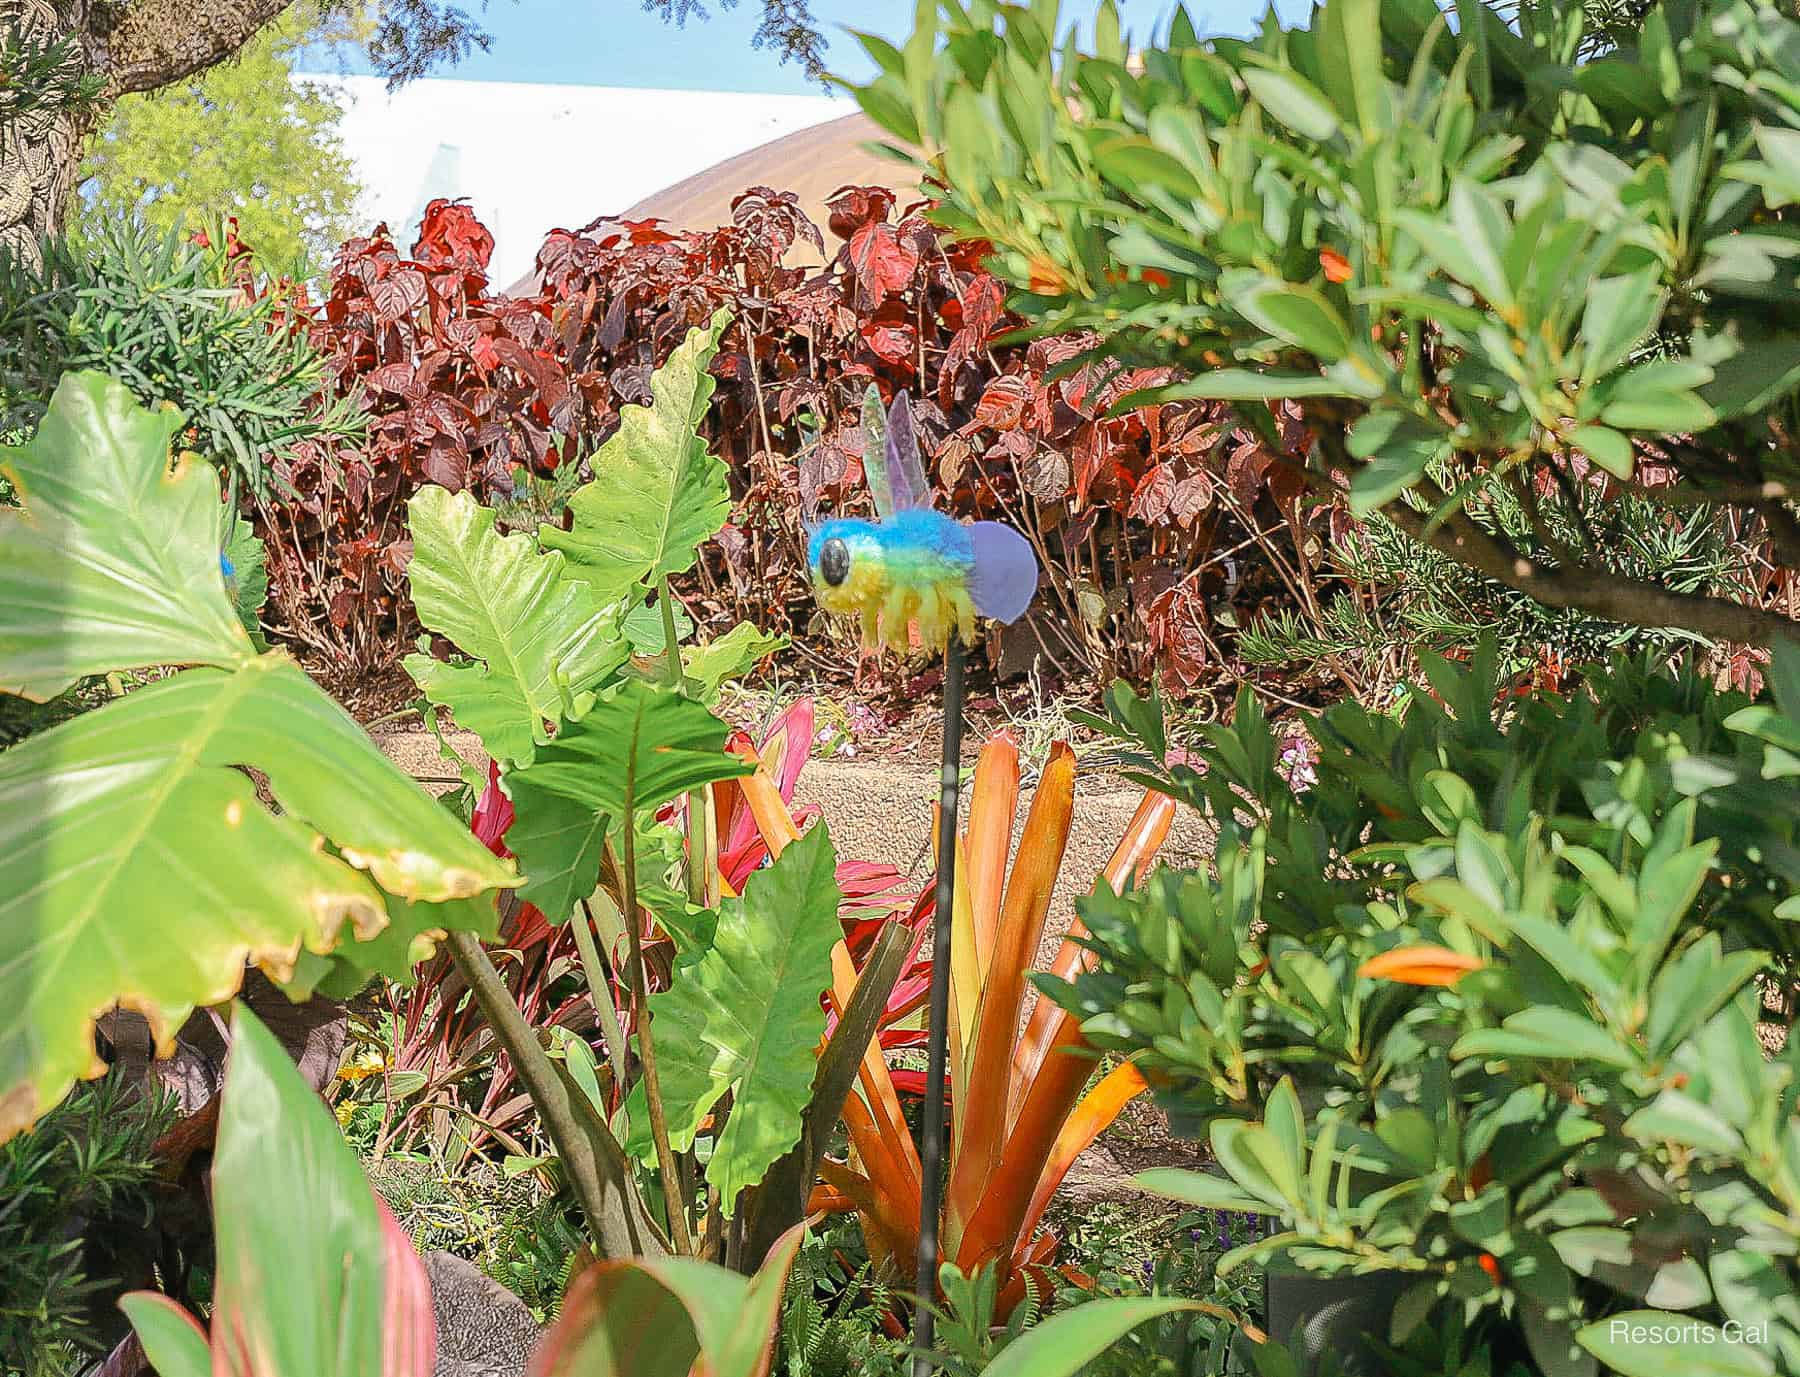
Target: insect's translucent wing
{"type": "Point", "coordinates": [905, 474]}
{"type": "Point", "coordinates": [875, 452]}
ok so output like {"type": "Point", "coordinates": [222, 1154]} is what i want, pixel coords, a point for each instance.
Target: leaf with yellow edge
{"type": "Point", "coordinates": [139, 865]}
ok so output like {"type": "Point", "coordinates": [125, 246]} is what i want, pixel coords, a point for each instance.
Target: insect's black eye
{"type": "Point", "coordinates": [834, 562]}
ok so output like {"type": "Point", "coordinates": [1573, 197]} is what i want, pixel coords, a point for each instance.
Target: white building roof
{"type": "Point", "coordinates": [534, 158]}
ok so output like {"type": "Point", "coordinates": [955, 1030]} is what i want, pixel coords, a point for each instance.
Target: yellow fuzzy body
{"type": "Point", "coordinates": [890, 591]}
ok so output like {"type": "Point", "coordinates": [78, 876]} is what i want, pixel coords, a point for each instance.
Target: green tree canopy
{"type": "Point", "coordinates": [241, 138]}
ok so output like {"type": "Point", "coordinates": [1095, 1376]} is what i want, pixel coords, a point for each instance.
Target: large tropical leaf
{"type": "Point", "coordinates": [708, 666]}
{"type": "Point", "coordinates": [407, 940]}
{"type": "Point", "coordinates": [114, 562]}
{"type": "Point", "coordinates": [746, 1018]}
{"type": "Point", "coordinates": [559, 841]}
{"type": "Point", "coordinates": [138, 863]}
{"type": "Point", "coordinates": [314, 1278]}
{"type": "Point", "coordinates": [657, 494]}
{"type": "Point", "coordinates": [637, 749]}
{"type": "Point", "coordinates": [545, 640]}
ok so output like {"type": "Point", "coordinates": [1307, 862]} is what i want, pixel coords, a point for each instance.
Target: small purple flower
{"type": "Point", "coordinates": [1296, 763]}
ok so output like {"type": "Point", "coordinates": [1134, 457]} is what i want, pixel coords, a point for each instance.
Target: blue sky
{"type": "Point", "coordinates": [615, 43]}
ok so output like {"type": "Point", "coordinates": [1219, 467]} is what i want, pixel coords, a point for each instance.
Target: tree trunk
{"type": "Point", "coordinates": [135, 46]}
{"type": "Point", "coordinates": [41, 150]}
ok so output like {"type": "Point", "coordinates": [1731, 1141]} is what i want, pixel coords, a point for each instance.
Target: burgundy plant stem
{"type": "Point", "coordinates": [931, 1148]}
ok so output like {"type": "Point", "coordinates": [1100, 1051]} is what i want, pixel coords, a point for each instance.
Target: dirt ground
{"type": "Point", "coordinates": [880, 810]}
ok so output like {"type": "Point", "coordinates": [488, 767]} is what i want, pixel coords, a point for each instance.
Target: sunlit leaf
{"type": "Point", "coordinates": [657, 494]}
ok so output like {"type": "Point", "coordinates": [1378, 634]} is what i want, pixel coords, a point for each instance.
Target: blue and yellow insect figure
{"type": "Point", "coordinates": [915, 565]}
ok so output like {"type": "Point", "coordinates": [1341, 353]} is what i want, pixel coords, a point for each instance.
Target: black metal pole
{"type": "Point", "coordinates": [931, 1149]}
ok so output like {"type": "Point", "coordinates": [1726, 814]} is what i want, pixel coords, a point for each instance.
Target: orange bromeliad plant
{"type": "Point", "coordinates": [1018, 1117]}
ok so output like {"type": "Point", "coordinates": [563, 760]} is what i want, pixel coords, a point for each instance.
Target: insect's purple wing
{"type": "Point", "coordinates": [875, 453]}
{"type": "Point", "coordinates": [1005, 577]}
{"type": "Point", "coordinates": [905, 472]}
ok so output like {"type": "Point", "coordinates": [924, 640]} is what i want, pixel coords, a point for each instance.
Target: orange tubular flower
{"type": "Point", "coordinates": [1422, 965]}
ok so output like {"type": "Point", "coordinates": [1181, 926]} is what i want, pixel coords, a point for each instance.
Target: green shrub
{"type": "Point", "coordinates": [175, 322]}
{"type": "Point", "coordinates": [1480, 1002]}
{"type": "Point", "coordinates": [85, 1173]}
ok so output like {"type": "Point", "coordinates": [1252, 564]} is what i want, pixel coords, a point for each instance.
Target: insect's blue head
{"type": "Point", "coordinates": [845, 558]}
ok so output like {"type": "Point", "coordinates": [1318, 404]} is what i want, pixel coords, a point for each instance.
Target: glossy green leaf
{"type": "Point", "coordinates": [746, 1018]}
{"type": "Point", "coordinates": [1297, 315]}
{"type": "Point", "coordinates": [171, 1338]}
{"type": "Point", "coordinates": [657, 495]}
{"type": "Point", "coordinates": [559, 842]}
{"type": "Point", "coordinates": [409, 938]}
{"type": "Point", "coordinates": [1777, 171]}
{"type": "Point", "coordinates": [1398, 449]}
{"type": "Point", "coordinates": [636, 749]}
{"type": "Point", "coordinates": [1064, 1344]}
{"type": "Point", "coordinates": [1138, 167]}
{"type": "Point", "coordinates": [1620, 312]}
{"type": "Point", "coordinates": [1293, 100]}
{"type": "Point", "coordinates": [1674, 1117]}
{"type": "Point", "coordinates": [1198, 1188]}
{"type": "Point", "coordinates": [1607, 448]}
{"type": "Point", "coordinates": [543, 640]}
{"type": "Point", "coordinates": [1243, 385]}
{"type": "Point", "coordinates": [726, 657]}
{"type": "Point", "coordinates": [1546, 1033]}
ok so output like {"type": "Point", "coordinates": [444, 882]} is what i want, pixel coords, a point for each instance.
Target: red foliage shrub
{"type": "Point", "coordinates": [459, 385]}
{"type": "Point", "coordinates": [1136, 517]}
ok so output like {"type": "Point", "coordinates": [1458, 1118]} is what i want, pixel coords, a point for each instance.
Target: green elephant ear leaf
{"type": "Point", "coordinates": [545, 639]}
{"type": "Point", "coordinates": [708, 666]}
{"type": "Point", "coordinates": [114, 562]}
{"type": "Point", "coordinates": [141, 865]}
{"type": "Point", "coordinates": [559, 841]}
{"type": "Point", "coordinates": [659, 495]}
{"type": "Point", "coordinates": [634, 750]}
{"type": "Point", "coordinates": [746, 1017]}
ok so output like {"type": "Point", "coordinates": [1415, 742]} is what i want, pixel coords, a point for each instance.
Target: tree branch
{"type": "Point", "coordinates": [1784, 531]}
{"type": "Point", "coordinates": [151, 43]}
{"type": "Point", "coordinates": [1600, 591]}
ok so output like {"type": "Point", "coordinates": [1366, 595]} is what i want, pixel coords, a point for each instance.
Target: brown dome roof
{"type": "Point", "coordinates": [812, 163]}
